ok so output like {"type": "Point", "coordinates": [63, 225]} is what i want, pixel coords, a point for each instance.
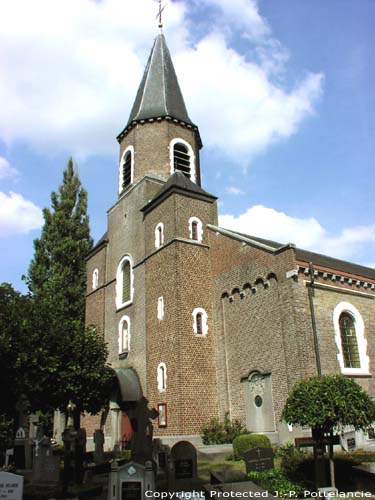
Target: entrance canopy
{"type": "Point", "coordinates": [129, 386]}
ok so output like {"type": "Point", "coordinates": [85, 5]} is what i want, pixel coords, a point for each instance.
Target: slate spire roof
{"type": "Point", "coordinates": [159, 93]}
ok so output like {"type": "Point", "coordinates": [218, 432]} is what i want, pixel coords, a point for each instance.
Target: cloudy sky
{"type": "Point", "coordinates": [282, 92]}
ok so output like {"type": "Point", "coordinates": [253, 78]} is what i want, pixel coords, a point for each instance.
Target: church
{"type": "Point", "coordinates": [201, 321]}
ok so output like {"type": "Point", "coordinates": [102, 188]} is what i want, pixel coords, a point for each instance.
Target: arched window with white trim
{"type": "Point", "coordinates": [95, 279]}
{"type": "Point", "coordinates": [162, 377]}
{"type": "Point", "coordinates": [350, 340]}
{"type": "Point", "coordinates": [159, 235]}
{"type": "Point", "coordinates": [182, 158]}
{"type": "Point", "coordinates": [200, 325]}
{"type": "Point", "coordinates": [195, 229]}
{"type": "Point", "coordinates": [124, 282]}
{"type": "Point", "coordinates": [124, 335]}
{"type": "Point", "coordinates": [126, 168]}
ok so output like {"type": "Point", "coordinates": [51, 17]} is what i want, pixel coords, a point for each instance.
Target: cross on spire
{"type": "Point", "coordinates": [159, 14]}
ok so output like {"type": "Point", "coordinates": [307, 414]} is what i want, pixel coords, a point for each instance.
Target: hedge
{"type": "Point", "coordinates": [246, 442]}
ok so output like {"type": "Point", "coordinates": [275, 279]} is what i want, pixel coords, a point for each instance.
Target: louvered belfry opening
{"type": "Point", "coordinates": [127, 170]}
{"type": "Point", "coordinates": [349, 341]}
{"type": "Point", "coordinates": [181, 159]}
{"type": "Point", "coordinates": [194, 230]}
{"type": "Point", "coordinates": [199, 324]}
{"type": "Point", "coordinates": [125, 281]}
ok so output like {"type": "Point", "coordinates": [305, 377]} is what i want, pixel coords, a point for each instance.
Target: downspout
{"type": "Point", "coordinates": [313, 319]}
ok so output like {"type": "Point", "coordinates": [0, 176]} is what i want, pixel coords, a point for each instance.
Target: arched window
{"type": "Point", "coordinates": [95, 279]}
{"type": "Point", "coordinates": [159, 235]}
{"type": "Point", "coordinates": [162, 377]}
{"type": "Point", "coordinates": [195, 229]}
{"type": "Point", "coordinates": [182, 158]}
{"type": "Point", "coordinates": [124, 282]}
{"type": "Point", "coordinates": [200, 326]}
{"type": "Point", "coordinates": [124, 335]}
{"type": "Point", "coordinates": [126, 168]}
{"type": "Point", "coordinates": [350, 340]}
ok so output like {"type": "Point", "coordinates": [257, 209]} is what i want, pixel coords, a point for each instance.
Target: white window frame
{"type": "Point", "coordinates": [160, 308]}
{"type": "Point", "coordinates": [193, 174]}
{"type": "Point", "coordinates": [199, 229]}
{"type": "Point", "coordinates": [346, 307]}
{"type": "Point", "coordinates": [120, 174]}
{"type": "Point", "coordinates": [95, 279]}
{"type": "Point", "coordinates": [159, 235]}
{"type": "Point", "coordinates": [204, 322]}
{"type": "Point", "coordinates": [162, 377]}
{"type": "Point", "coordinates": [121, 350]}
{"type": "Point", "coordinates": [119, 278]}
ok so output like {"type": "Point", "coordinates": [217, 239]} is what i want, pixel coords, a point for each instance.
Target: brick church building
{"type": "Point", "coordinates": [200, 320]}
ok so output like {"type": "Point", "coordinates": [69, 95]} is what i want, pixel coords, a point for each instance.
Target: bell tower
{"type": "Point", "coordinates": [159, 137]}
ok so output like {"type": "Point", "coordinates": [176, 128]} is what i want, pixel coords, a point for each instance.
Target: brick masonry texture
{"type": "Point", "coordinates": [259, 317]}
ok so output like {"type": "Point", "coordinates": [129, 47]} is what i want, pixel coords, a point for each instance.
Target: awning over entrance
{"type": "Point", "coordinates": [129, 385]}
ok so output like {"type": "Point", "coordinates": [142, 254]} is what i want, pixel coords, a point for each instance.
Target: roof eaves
{"type": "Point", "coordinates": [250, 241]}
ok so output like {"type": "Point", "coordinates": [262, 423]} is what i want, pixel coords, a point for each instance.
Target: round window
{"type": "Point", "coordinates": [258, 401]}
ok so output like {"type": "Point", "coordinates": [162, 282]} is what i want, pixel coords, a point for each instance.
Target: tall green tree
{"type": "Point", "coordinates": [76, 368]}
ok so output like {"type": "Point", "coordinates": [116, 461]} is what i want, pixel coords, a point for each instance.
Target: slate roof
{"type": "Point", "coordinates": [178, 183]}
{"type": "Point", "coordinates": [318, 259]}
{"type": "Point", "coordinates": [159, 93]}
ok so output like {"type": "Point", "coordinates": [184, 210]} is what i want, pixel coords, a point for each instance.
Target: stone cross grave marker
{"type": "Point", "coordinates": [259, 459]}
{"type": "Point", "coordinates": [11, 486]}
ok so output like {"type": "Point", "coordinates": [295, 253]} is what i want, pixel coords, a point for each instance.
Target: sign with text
{"type": "Point", "coordinates": [11, 486]}
{"type": "Point", "coordinates": [184, 469]}
{"type": "Point", "coordinates": [259, 459]}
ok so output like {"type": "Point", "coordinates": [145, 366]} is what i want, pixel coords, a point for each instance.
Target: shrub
{"type": "Point", "coordinates": [216, 432]}
{"type": "Point", "coordinates": [246, 442]}
{"type": "Point", "coordinates": [276, 482]}
{"type": "Point", "coordinates": [290, 460]}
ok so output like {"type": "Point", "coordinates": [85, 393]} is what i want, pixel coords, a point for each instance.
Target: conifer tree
{"type": "Point", "coordinates": [76, 369]}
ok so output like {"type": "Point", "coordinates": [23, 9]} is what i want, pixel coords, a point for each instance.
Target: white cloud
{"type": "Point", "coordinates": [6, 170]}
{"type": "Point", "coordinates": [71, 69]}
{"type": "Point", "coordinates": [18, 215]}
{"type": "Point", "coordinates": [234, 190]}
{"type": "Point", "coordinates": [307, 233]}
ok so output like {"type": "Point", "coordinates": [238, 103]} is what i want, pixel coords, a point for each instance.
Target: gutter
{"type": "Point", "coordinates": [313, 319]}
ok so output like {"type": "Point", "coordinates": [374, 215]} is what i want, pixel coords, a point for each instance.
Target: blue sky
{"type": "Point", "coordinates": [282, 92]}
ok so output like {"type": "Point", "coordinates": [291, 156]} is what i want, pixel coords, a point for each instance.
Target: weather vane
{"type": "Point", "coordinates": [160, 13]}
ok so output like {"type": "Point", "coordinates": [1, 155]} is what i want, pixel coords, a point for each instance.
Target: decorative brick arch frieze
{"type": "Point", "coordinates": [248, 289]}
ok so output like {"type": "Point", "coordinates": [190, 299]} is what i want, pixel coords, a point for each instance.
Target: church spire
{"type": "Point", "coordinates": [159, 94]}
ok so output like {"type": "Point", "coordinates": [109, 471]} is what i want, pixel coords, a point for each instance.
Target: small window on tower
{"type": "Point", "coordinates": [160, 308]}
{"type": "Point", "coordinates": [124, 282]}
{"type": "Point", "coordinates": [95, 279]}
{"type": "Point", "coordinates": [195, 229]}
{"type": "Point", "coordinates": [200, 326]}
{"type": "Point", "coordinates": [162, 377]}
{"type": "Point", "coordinates": [124, 335]}
{"type": "Point", "coordinates": [181, 159]}
{"type": "Point", "coordinates": [159, 235]}
{"type": "Point", "coordinates": [126, 170]}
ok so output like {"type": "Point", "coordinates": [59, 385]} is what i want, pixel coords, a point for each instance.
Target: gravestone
{"type": "Point", "coordinates": [130, 481]}
{"type": "Point", "coordinates": [160, 455]}
{"type": "Point", "coordinates": [46, 465]}
{"type": "Point", "coordinates": [184, 458]}
{"type": "Point", "coordinates": [99, 446]}
{"type": "Point", "coordinates": [259, 459]}
{"type": "Point", "coordinates": [11, 486]}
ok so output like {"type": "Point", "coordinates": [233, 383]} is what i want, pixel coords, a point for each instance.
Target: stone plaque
{"type": "Point", "coordinates": [11, 486]}
{"type": "Point", "coordinates": [184, 469]}
{"type": "Point", "coordinates": [131, 490]}
{"type": "Point", "coordinates": [259, 459]}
